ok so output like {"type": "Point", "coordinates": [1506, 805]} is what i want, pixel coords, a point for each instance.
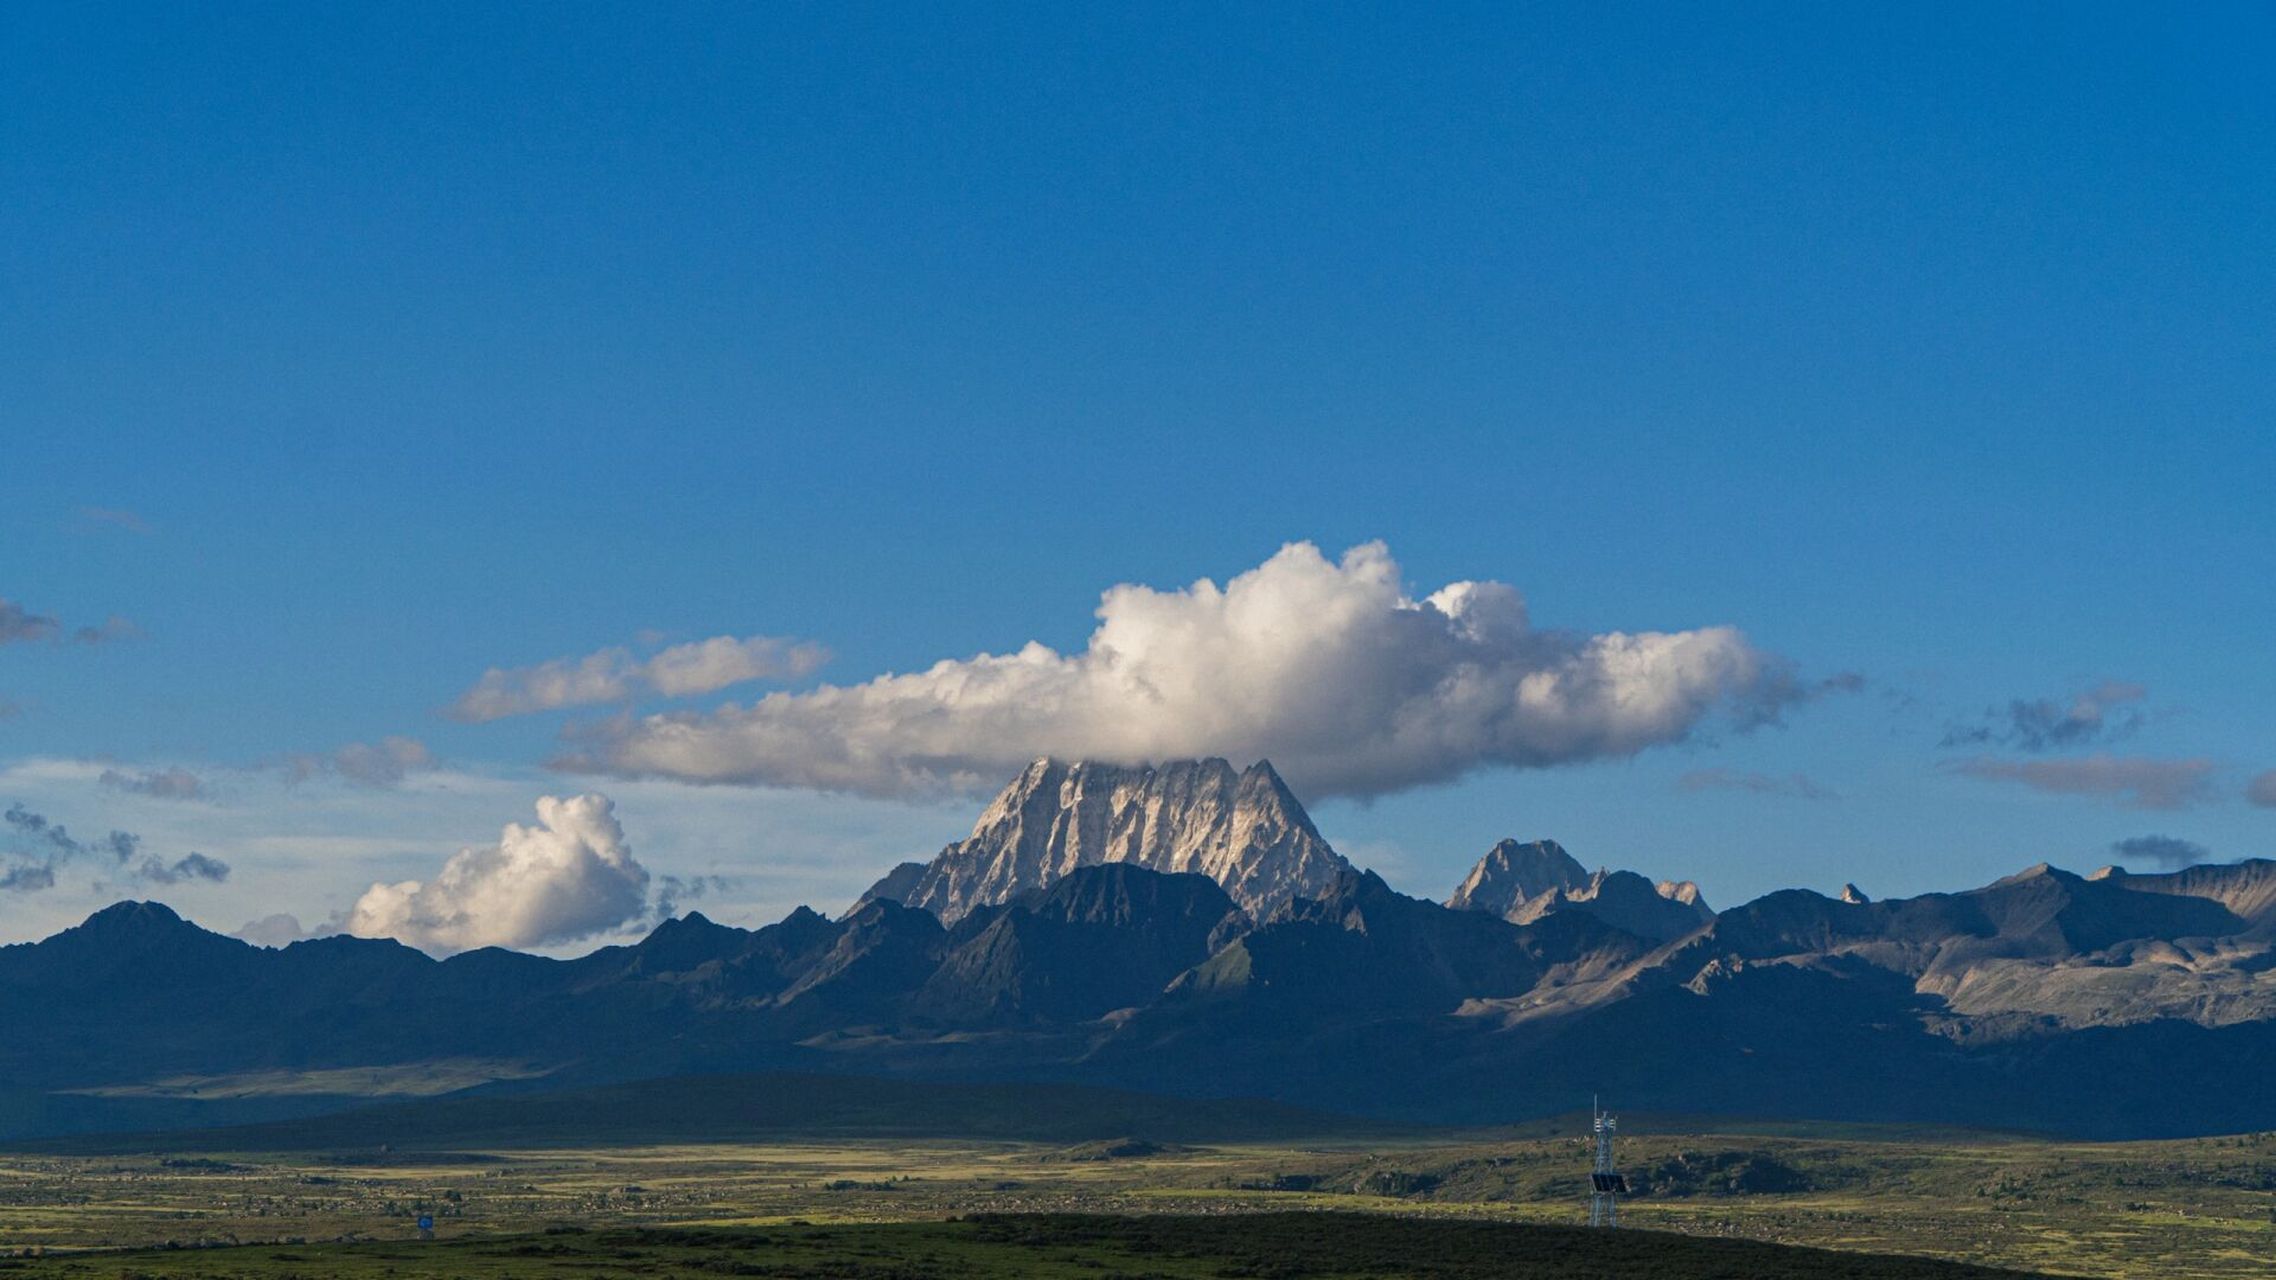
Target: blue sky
{"type": "Point", "coordinates": [346, 356]}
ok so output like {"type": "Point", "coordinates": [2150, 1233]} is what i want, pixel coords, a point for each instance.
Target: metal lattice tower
{"type": "Point", "coordinates": [1605, 1184]}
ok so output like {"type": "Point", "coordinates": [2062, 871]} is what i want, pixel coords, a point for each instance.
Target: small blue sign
{"type": "Point", "coordinates": [426, 1222]}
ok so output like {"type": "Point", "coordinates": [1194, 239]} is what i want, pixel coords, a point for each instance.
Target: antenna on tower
{"type": "Point", "coordinates": [1605, 1185]}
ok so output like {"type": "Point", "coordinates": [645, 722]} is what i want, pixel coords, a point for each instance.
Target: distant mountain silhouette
{"type": "Point", "coordinates": [2091, 1005]}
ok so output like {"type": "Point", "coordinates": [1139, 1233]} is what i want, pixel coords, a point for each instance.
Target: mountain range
{"type": "Point", "coordinates": [1184, 929]}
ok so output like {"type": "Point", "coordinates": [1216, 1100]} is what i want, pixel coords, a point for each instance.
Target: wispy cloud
{"type": "Point", "coordinates": [190, 866]}
{"type": "Point", "coordinates": [19, 625]}
{"type": "Point", "coordinates": [2169, 852]}
{"type": "Point", "coordinates": [39, 847]}
{"type": "Point", "coordinates": [112, 628]}
{"type": "Point", "coordinates": [27, 877]}
{"type": "Point", "coordinates": [114, 518]}
{"type": "Point", "coordinates": [674, 892]}
{"type": "Point", "coordinates": [2135, 782]}
{"type": "Point", "coordinates": [1797, 785]}
{"type": "Point", "coordinates": [2262, 790]}
{"type": "Point", "coordinates": [279, 929]}
{"type": "Point", "coordinates": [2104, 713]}
{"type": "Point", "coordinates": [368, 764]}
{"type": "Point", "coordinates": [1330, 668]}
{"type": "Point", "coordinates": [617, 675]}
{"type": "Point", "coordinates": [29, 831]}
{"type": "Point", "coordinates": [170, 783]}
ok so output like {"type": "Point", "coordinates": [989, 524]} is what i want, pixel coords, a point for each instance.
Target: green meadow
{"type": "Point", "coordinates": [2183, 1209]}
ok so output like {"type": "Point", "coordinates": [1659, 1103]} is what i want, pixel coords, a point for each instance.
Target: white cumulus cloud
{"type": "Point", "coordinates": [1332, 669]}
{"type": "Point", "coordinates": [615, 675]}
{"type": "Point", "coordinates": [571, 876]}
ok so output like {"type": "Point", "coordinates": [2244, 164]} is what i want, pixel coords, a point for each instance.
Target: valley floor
{"type": "Point", "coordinates": [2199, 1208]}
{"type": "Point", "coordinates": [1281, 1246]}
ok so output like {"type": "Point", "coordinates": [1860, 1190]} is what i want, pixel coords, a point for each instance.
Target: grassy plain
{"type": "Point", "coordinates": [1281, 1246]}
{"type": "Point", "coordinates": [2198, 1208]}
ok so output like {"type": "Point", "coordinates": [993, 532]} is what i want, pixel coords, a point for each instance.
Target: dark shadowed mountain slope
{"type": "Point", "coordinates": [127, 947]}
{"type": "Point", "coordinates": [1359, 1000]}
{"type": "Point", "coordinates": [1105, 938]}
{"type": "Point", "coordinates": [2246, 889]}
{"type": "Point", "coordinates": [1362, 945]}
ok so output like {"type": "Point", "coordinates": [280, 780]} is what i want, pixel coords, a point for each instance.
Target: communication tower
{"type": "Point", "coordinates": [1605, 1184]}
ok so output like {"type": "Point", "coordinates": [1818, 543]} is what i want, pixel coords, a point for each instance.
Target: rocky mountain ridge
{"type": "Point", "coordinates": [2079, 1004]}
{"type": "Point", "coordinates": [1523, 882]}
{"type": "Point", "coordinates": [1244, 829]}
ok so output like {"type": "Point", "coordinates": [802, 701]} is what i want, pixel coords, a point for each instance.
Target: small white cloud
{"type": "Point", "coordinates": [569, 877]}
{"type": "Point", "coordinates": [615, 675]}
{"type": "Point", "coordinates": [1348, 683]}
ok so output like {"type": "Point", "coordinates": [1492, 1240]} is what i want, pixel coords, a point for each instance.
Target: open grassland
{"type": "Point", "coordinates": [1282, 1246]}
{"type": "Point", "coordinates": [2196, 1208]}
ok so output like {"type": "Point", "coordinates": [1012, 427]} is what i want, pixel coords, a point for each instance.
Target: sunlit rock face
{"type": "Point", "coordinates": [1522, 882]}
{"type": "Point", "coordinates": [1241, 828]}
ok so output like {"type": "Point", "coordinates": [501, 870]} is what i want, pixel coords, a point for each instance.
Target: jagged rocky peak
{"type": "Point", "coordinates": [1854, 896]}
{"type": "Point", "coordinates": [2036, 871]}
{"type": "Point", "coordinates": [1686, 892]}
{"type": "Point", "coordinates": [1524, 881]}
{"type": "Point", "coordinates": [1242, 828]}
{"type": "Point", "coordinates": [1513, 873]}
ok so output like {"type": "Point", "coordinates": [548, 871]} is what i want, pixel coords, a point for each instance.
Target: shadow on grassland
{"type": "Point", "coordinates": [745, 1108]}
